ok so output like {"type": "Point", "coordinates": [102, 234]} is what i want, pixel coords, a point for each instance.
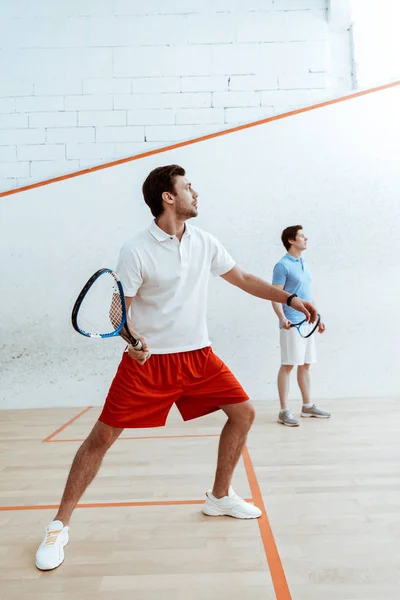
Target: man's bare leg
{"type": "Point", "coordinates": [284, 384]}
{"type": "Point", "coordinates": [303, 379]}
{"type": "Point", "coordinates": [85, 466]}
{"type": "Point", "coordinates": [233, 438]}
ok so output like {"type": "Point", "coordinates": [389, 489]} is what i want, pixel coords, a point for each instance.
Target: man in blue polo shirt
{"type": "Point", "coordinates": [293, 275]}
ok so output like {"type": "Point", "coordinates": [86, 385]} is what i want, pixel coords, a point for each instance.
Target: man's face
{"type": "Point", "coordinates": [300, 243]}
{"type": "Point", "coordinates": [185, 198]}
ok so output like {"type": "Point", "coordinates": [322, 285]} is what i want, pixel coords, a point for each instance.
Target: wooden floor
{"type": "Point", "coordinates": [330, 489]}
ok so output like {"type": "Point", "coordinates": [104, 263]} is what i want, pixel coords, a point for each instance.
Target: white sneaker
{"type": "Point", "coordinates": [50, 553]}
{"type": "Point", "coordinates": [231, 505]}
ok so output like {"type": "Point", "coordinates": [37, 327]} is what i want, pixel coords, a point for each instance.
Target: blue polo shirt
{"type": "Point", "coordinates": [295, 276]}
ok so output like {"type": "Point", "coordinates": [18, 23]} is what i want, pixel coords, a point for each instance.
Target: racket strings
{"type": "Point", "coordinates": [101, 311]}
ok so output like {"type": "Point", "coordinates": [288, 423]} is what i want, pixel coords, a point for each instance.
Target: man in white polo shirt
{"type": "Point", "coordinates": [165, 271]}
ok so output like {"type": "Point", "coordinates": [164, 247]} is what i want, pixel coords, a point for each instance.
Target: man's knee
{"type": "Point", "coordinates": [102, 436]}
{"type": "Point", "coordinates": [243, 413]}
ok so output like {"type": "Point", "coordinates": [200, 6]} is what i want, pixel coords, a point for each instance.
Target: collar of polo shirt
{"type": "Point", "coordinates": [293, 258]}
{"type": "Point", "coordinates": [161, 235]}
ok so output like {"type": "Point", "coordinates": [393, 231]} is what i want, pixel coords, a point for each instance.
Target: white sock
{"type": "Point", "coordinates": [309, 405]}
{"type": "Point", "coordinates": [215, 498]}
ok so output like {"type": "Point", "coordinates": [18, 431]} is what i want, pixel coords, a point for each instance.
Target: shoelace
{"type": "Point", "coordinates": [51, 537]}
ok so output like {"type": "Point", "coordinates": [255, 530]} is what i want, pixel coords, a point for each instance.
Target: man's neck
{"type": "Point", "coordinates": [295, 253]}
{"type": "Point", "coordinates": [171, 225]}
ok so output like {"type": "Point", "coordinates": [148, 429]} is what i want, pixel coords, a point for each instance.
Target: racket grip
{"type": "Point", "coordinates": [138, 346]}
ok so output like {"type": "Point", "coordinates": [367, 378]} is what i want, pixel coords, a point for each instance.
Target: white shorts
{"type": "Point", "coordinates": [296, 350]}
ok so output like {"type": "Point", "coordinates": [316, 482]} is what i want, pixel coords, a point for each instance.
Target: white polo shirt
{"type": "Point", "coordinates": [169, 282]}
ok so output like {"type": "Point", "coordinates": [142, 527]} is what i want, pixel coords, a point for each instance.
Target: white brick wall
{"type": "Point", "coordinates": [92, 80]}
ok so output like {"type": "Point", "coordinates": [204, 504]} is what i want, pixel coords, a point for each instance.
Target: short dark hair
{"type": "Point", "coordinates": [290, 234]}
{"type": "Point", "coordinates": [157, 182]}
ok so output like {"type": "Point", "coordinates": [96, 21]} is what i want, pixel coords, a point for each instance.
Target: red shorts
{"type": "Point", "coordinates": [198, 382]}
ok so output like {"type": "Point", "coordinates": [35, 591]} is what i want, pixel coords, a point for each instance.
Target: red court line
{"type": "Point", "coordinates": [274, 561]}
{"type": "Point", "coordinates": [146, 437]}
{"type": "Point", "coordinates": [202, 138]}
{"type": "Point", "coordinates": [109, 504]}
{"type": "Point", "coordinates": [49, 438]}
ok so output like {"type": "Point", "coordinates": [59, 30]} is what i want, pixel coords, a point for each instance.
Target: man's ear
{"type": "Point", "coordinates": [167, 197]}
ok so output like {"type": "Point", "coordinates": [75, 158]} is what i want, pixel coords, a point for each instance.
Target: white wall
{"type": "Point", "coordinates": [334, 170]}
{"type": "Point", "coordinates": [84, 82]}
{"type": "Point", "coordinates": [375, 31]}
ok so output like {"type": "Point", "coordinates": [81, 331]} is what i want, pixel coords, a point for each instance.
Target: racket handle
{"type": "Point", "coordinates": [137, 344]}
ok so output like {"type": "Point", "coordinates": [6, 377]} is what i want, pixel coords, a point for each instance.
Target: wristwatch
{"type": "Point", "coordinates": [289, 300]}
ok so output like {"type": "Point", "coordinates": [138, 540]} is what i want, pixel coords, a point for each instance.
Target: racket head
{"type": "Point", "coordinates": [307, 329]}
{"type": "Point", "coordinates": [99, 310]}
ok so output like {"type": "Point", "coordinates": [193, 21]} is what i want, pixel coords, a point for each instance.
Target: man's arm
{"type": "Point", "coordinates": [140, 355]}
{"type": "Point", "coordinates": [262, 289]}
{"type": "Point", "coordinates": [285, 323]}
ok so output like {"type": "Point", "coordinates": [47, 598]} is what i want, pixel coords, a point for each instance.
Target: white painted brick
{"type": "Point", "coordinates": [289, 26]}
{"type": "Point", "coordinates": [92, 102]}
{"type": "Point", "coordinates": [16, 88]}
{"type": "Point", "coordinates": [169, 61]}
{"type": "Point", "coordinates": [14, 169]}
{"type": "Point", "coordinates": [64, 135]}
{"type": "Point", "coordinates": [86, 163]}
{"type": "Point", "coordinates": [43, 169]}
{"type": "Point", "coordinates": [8, 153]}
{"type": "Point", "coordinates": [204, 84]}
{"type": "Point", "coordinates": [8, 184]}
{"type": "Point", "coordinates": [225, 99]}
{"type": "Point", "coordinates": [199, 100]}
{"type": "Point", "coordinates": [102, 118]}
{"type": "Point", "coordinates": [178, 133]}
{"type": "Point", "coordinates": [86, 151]}
{"type": "Point", "coordinates": [303, 81]}
{"type": "Point", "coordinates": [248, 59]}
{"type": "Point", "coordinates": [57, 87]}
{"type": "Point", "coordinates": [151, 117]}
{"type": "Point", "coordinates": [120, 134]}
{"type": "Point", "coordinates": [193, 116]}
{"type": "Point", "coordinates": [132, 62]}
{"type": "Point", "coordinates": [236, 59]}
{"type": "Point", "coordinates": [300, 4]}
{"type": "Point", "coordinates": [33, 64]}
{"type": "Point", "coordinates": [187, 6]}
{"type": "Point", "coordinates": [53, 119]}
{"type": "Point", "coordinates": [127, 7]}
{"type": "Point", "coordinates": [45, 9]}
{"type": "Point", "coordinates": [23, 181]}
{"type": "Point", "coordinates": [125, 149]}
{"type": "Point", "coordinates": [253, 82]}
{"type": "Point", "coordinates": [41, 152]}
{"type": "Point", "coordinates": [13, 121]}
{"type": "Point", "coordinates": [47, 32]}
{"type": "Point", "coordinates": [7, 105]}
{"type": "Point", "coordinates": [155, 85]}
{"type": "Point", "coordinates": [39, 103]}
{"type": "Point", "coordinates": [22, 136]}
{"type": "Point", "coordinates": [297, 57]}
{"type": "Point", "coordinates": [294, 97]}
{"type": "Point", "coordinates": [146, 30]}
{"type": "Point", "coordinates": [186, 60]}
{"type": "Point", "coordinates": [247, 115]}
{"type": "Point", "coordinates": [201, 29]}
{"type": "Point", "coordinates": [107, 86]}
